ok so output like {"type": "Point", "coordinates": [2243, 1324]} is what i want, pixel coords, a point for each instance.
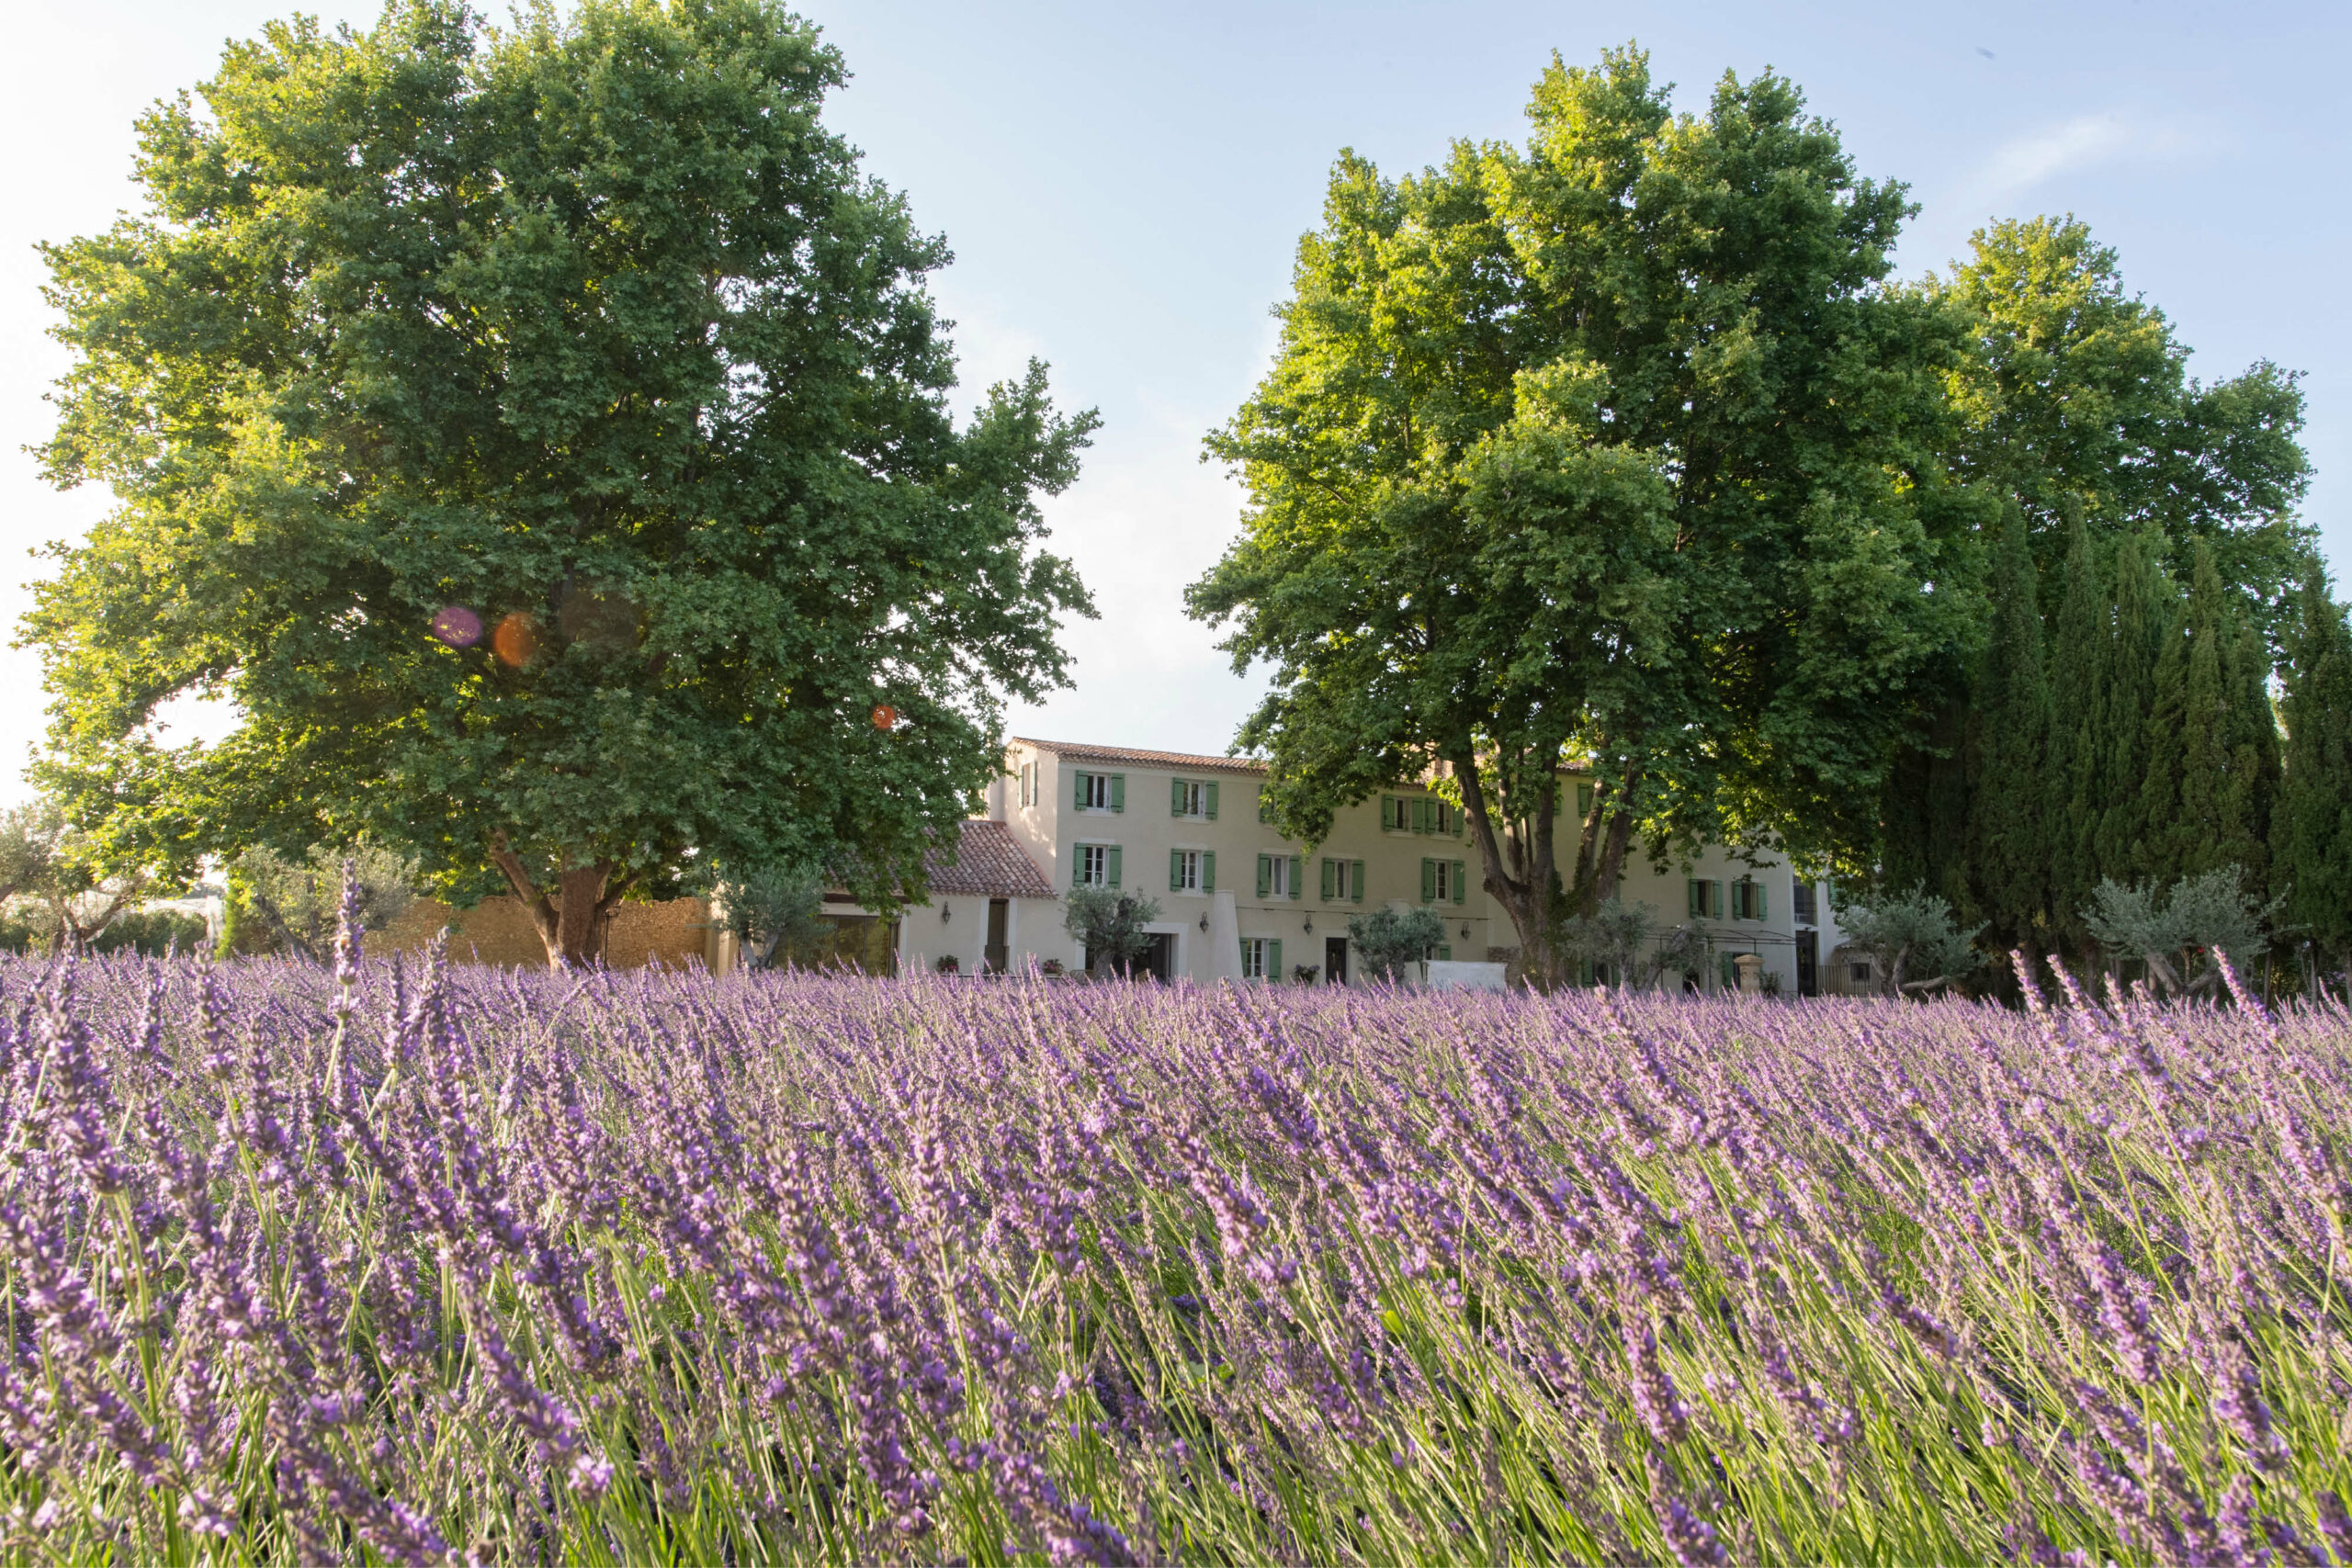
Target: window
{"type": "Point", "coordinates": [1193, 797]}
{"type": "Point", "coordinates": [1096, 865]}
{"type": "Point", "coordinates": [1101, 791]}
{"type": "Point", "coordinates": [1746, 899]}
{"type": "Point", "coordinates": [1281, 876]}
{"type": "Point", "coordinates": [1444, 952]}
{"type": "Point", "coordinates": [1192, 871]}
{"type": "Point", "coordinates": [1862, 974]}
{"type": "Point", "coordinates": [1584, 803]}
{"type": "Point", "coordinates": [1706, 900]}
{"type": "Point", "coordinates": [1444, 882]}
{"type": "Point", "coordinates": [1261, 958]}
{"type": "Point", "coordinates": [1343, 881]}
{"type": "Point", "coordinates": [1807, 909]}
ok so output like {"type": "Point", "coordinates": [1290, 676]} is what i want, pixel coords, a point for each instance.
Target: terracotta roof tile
{"type": "Point", "coordinates": [990, 864]}
{"type": "Point", "coordinates": [1140, 759]}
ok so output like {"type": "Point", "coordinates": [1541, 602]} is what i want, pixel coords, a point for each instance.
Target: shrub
{"type": "Point", "coordinates": [1391, 941]}
{"type": "Point", "coordinates": [1112, 923]}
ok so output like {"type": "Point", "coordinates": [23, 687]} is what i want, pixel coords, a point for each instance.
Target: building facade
{"type": "Point", "coordinates": [1239, 902]}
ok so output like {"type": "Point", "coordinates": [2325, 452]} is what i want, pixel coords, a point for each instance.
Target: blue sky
{"type": "Point", "coordinates": [1123, 187]}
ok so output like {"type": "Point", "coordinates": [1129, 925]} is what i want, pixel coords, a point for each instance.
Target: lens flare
{"type": "Point", "coordinates": [516, 639]}
{"type": "Point", "coordinates": [457, 625]}
{"type": "Point", "coordinates": [885, 716]}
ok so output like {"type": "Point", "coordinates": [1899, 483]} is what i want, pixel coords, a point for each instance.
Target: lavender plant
{"type": "Point", "coordinates": [381, 1264]}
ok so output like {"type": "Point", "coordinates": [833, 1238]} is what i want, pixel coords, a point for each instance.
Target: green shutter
{"type": "Point", "coordinates": [1081, 790]}
{"type": "Point", "coordinates": [1118, 792]}
{"type": "Point", "coordinates": [1387, 812]}
{"type": "Point", "coordinates": [1265, 807]}
{"type": "Point", "coordinates": [1715, 899]}
{"type": "Point", "coordinates": [1274, 961]}
{"type": "Point", "coordinates": [1208, 870]}
{"type": "Point", "coordinates": [1298, 876]}
{"type": "Point", "coordinates": [1692, 896]}
{"type": "Point", "coordinates": [1461, 885]}
{"type": "Point", "coordinates": [1330, 868]}
{"type": "Point", "coordinates": [1212, 800]}
{"type": "Point", "coordinates": [1078, 865]}
{"type": "Point", "coordinates": [1428, 882]}
{"type": "Point", "coordinates": [1175, 798]}
{"type": "Point", "coordinates": [1265, 875]}
{"type": "Point", "coordinates": [1355, 881]}
{"type": "Point", "coordinates": [1584, 803]}
{"type": "Point", "coordinates": [1445, 953]}
{"type": "Point", "coordinates": [1175, 870]}
{"type": "Point", "coordinates": [1761, 913]}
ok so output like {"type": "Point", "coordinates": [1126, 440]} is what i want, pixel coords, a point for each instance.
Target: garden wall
{"type": "Point", "coordinates": [498, 930]}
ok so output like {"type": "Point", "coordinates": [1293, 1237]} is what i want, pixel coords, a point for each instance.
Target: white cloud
{"type": "Point", "coordinates": [2089, 141]}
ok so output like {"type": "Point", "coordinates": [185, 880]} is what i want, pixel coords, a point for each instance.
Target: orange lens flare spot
{"type": "Point", "coordinates": [516, 639]}
{"type": "Point", "coordinates": [885, 716]}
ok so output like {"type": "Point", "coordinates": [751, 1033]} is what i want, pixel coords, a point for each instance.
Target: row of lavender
{"type": "Point", "coordinates": [640, 1268]}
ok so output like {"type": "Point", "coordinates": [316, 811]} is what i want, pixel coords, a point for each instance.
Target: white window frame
{"type": "Point", "coordinates": [1098, 792]}
{"type": "Point", "coordinates": [1095, 865]}
{"type": "Point", "coordinates": [1444, 881]}
{"type": "Point", "coordinates": [1340, 869]}
{"type": "Point", "coordinates": [1278, 880]}
{"type": "Point", "coordinates": [1196, 800]}
{"type": "Point", "coordinates": [1254, 952]}
{"type": "Point", "coordinates": [1190, 882]}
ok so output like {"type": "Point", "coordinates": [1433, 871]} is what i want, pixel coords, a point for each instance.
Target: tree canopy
{"type": "Point", "coordinates": [1611, 449]}
{"type": "Point", "coordinates": [541, 436]}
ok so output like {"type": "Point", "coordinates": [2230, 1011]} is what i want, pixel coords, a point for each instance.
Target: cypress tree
{"type": "Point", "coordinates": [2212, 780]}
{"type": "Point", "coordinates": [2311, 828]}
{"type": "Point", "coordinates": [2071, 776]}
{"type": "Point", "coordinates": [2254, 756]}
{"type": "Point", "coordinates": [2143, 614]}
{"type": "Point", "coordinates": [2162, 747]}
{"type": "Point", "coordinates": [2008, 840]}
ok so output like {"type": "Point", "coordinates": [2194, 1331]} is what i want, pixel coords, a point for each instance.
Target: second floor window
{"type": "Point", "coordinates": [1808, 912]}
{"type": "Point", "coordinates": [1192, 871]}
{"type": "Point", "coordinates": [1193, 797]}
{"type": "Point", "coordinates": [1746, 899]}
{"type": "Point", "coordinates": [1097, 865]}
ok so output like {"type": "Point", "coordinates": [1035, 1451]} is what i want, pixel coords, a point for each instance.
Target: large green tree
{"type": "Point", "coordinates": [2012, 836]}
{"type": "Point", "coordinates": [2075, 398]}
{"type": "Point", "coordinates": [1614, 450]}
{"type": "Point", "coordinates": [542, 437]}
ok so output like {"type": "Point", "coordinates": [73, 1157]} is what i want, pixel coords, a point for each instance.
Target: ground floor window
{"type": "Point", "coordinates": [1261, 958]}
{"type": "Point", "coordinates": [864, 942]}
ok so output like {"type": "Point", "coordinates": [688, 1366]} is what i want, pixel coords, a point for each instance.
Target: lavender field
{"type": "Point", "coordinates": [636, 1268]}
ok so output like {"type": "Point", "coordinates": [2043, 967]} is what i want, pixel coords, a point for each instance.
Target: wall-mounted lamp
{"type": "Point", "coordinates": [1310, 923]}
{"type": "Point", "coordinates": [1204, 920]}
{"type": "Point", "coordinates": [1465, 931]}
{"type": "Point", "coordinates": [943, 913]}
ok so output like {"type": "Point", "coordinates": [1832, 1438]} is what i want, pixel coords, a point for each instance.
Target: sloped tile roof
{"type": "Point", "coordinates": [1129, 755]}
{"type": "Point", "coordinates": [990, 864]}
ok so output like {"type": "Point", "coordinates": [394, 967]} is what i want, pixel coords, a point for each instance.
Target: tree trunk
{"type": "Point", "coordinates": [570, 923]}
{"type": "Point", "coordinates": [1521, 879]}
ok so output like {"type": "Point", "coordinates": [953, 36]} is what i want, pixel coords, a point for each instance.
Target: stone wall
{"type": "Point", "coordinates": [498, 930]}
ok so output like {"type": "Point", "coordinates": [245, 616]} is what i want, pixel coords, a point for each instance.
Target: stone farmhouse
{"type": "Point", "coordinates": [1238, 902]}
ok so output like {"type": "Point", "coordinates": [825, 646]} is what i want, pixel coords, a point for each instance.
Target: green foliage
{"type": "Point", "coordinates": [1912, 934]}
{"type": "Point", "coordinates": [2311, 831]}
{"type": "Point", "coordinates": [1610, 447]}
{"type": "Point", "coordinates": [2201, 914]}
{"type": "Point", "coordinates": [775, 913]}
{"type": "Point", "coordinates": [295, 906]}
{"type": "Point", "coordinates": [1390, 941]}
{"type": "Point", "coordinates": [589, 328]}
{"type": "Point", "coordinates": [1112, 923]}
{"type": "Point", "coordinates": [154, 932]}
{"type": "Point", "coordinates": [2072, 783]}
